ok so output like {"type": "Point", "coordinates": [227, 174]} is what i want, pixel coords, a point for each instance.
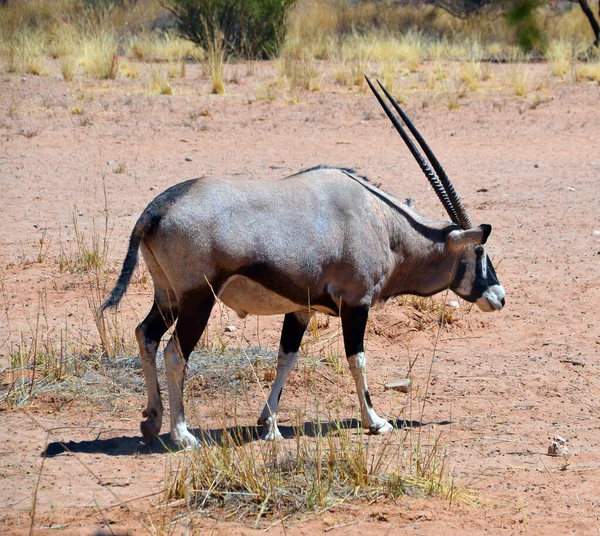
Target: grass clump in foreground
{"type": "Point", "coordinates": [239, 478]}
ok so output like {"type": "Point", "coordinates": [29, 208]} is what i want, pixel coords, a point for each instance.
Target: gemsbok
{"type": "Point", "coordinates": [324, 239]}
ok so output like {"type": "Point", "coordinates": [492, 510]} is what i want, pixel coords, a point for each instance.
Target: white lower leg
{"type": "Point", "coordinates": [371, 421]}
{"type": "Point", "coordinates": [268, 417]}
{"type": "Point", "coordinates": [176, 364]}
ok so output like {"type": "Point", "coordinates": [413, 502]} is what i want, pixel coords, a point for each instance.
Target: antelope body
{"type": "Point", "coordinates": [322, 240]}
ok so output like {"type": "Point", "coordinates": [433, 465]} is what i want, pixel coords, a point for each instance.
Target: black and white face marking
{"type": "Point", "coordinates": [476, 280]}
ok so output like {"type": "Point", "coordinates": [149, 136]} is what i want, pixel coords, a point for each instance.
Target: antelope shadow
{"type": "Point", "coordinates": [235, 435]}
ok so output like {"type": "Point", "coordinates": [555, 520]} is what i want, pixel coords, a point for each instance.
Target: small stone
{"type": "Point", "coordinates": [571, 189]}
{"type": "Point", "coordinates": [109, 163]}
{"type": "Point", "coordinates": [596, 233]}
{"type": "Point", "coordinates": [153, 187]}
{"type": "Point", "coordinates": [454, 304]}
{"type": "Point", "coordinates": [230, 329]}
{"type": "Point", "coordinates": [188, 159]}
{"type": "Point", "coordinates": [399, 385]}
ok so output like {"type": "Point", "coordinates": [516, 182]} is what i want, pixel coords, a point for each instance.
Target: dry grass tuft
{"type": "Point", "coordinates": [68, 67]}
{"type": "Point", "coordinates": [129, 69]}
{"type": "Point", "coordinates": [159, 82]}
{"type": "Point", "coordinates": [519, 78]}
{"type": "Point", "coordinates": [241, 478]}
{"type": "Point", "coordinates": [588, 71]}
{"type": "Point", "coordinates": [431, 311]}
{"type": "Point", "coordinates": [25, 51]}
{"type": "Point", "coordinates": [560, 55]}
{"type": "Point", "coordinates": [299, 72]}
{"type": "Point", "coordinates": [469, 75]}
{"type": "Point", "coordinates": [176, 69]}
{"type": "Point", "coordinates": [161, 47]}
{"type": "Point", "coordinates": [411, 50]}
{"type": "Point", "coordinates": [63, 40]}
{"type": "Point", "coordinates": [214, 64]}
{"type": "Point", "coordinates": [353, 59]}
{"type": "Point", "coordinates": [100, 53]}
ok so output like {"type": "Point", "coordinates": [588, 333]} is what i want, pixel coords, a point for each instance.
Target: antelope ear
{"type": "Point", "coordinates": [465, 237]}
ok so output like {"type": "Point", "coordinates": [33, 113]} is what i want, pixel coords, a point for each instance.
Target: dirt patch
{"type": "Point", "coordinates": [501, 386]}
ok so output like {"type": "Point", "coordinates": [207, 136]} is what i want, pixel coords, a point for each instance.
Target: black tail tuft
{"type": "Point", "coordinates": [129, 264]}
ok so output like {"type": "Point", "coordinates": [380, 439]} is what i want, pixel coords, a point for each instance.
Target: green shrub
{"type": "Point", "coordinates": [248, 28]}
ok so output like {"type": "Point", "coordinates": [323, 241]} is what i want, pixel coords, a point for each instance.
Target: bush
{"type": "Point", "coordinates": [248, 28]}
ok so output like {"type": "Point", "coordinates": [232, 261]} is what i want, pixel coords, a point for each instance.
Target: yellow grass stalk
{"type": "Point", "coordinates": [559, 56]}
{"type": "Point", "coordinates": [100, 55]}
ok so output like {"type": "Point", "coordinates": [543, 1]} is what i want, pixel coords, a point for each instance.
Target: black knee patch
{"type": "Point", "coordinates": [368, 399]}
{"type": "Point", "coordinates": [354, 322]}
{"type": "Point", "coordinates": [294, 327]}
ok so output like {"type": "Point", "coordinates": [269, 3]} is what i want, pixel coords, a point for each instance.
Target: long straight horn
{"type": "Point", "coordinates": [429, 173]}
{"type": "Point", "coordinates": [463, 218]}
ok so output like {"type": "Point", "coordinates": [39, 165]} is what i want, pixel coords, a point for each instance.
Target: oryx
{"type": "Point", "coordinates": [322, 240]}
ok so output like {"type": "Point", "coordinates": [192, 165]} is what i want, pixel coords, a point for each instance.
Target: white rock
{"type": "Point", "coordinates": [454, 304]}
{"type": "Point", "coordinates": [230, 329]}
{"type": "Point", "coordinates": [399, 385]}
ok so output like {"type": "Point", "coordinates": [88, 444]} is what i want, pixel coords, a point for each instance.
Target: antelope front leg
{"type": "Point", "coordinates": [294, 326]}
{"type": "Point", "coordinates": [268, 417]}
{"type": "Point", "coordinates": [354, 322]}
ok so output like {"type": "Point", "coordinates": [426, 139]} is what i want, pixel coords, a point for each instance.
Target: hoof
{"type": "Point", "coordinates": [379, 428]}
{"type": "Point", "coordinates": [271, 435]}
{"type": "Point", "coordinates": [270, 432]}
{"type": "Point", "coordinates": [186, 440]}
{"type": "Point", "coordinates": [150, 430]}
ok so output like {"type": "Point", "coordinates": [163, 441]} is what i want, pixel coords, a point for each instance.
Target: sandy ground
{"type": "Point", "coordinates": [502, 385]}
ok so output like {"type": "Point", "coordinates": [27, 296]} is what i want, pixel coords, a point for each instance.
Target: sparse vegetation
{"type": "Point", "coordinates": [68, 67]}
{"type": "Point", "coordinates": [159, 81]}
{"type": "Point", "coordinates": [251, 29]}
{"type": "Point", "coordinates": [560, 56]}
{"type": "Point", "coordinates": [100, 55]}
{"type": "Point", "coordinates": [245, 479]}
{"type": "Point", "coordinates": [107, 40]}
{"type": "Point", "coordinates": [215, 63]}
{"type": "Point", "coordinates": [519, 78]}
{"type": "Point", "coordinates": [424, 56]}
{"type": "Point", "coordinates": [588, 72]}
